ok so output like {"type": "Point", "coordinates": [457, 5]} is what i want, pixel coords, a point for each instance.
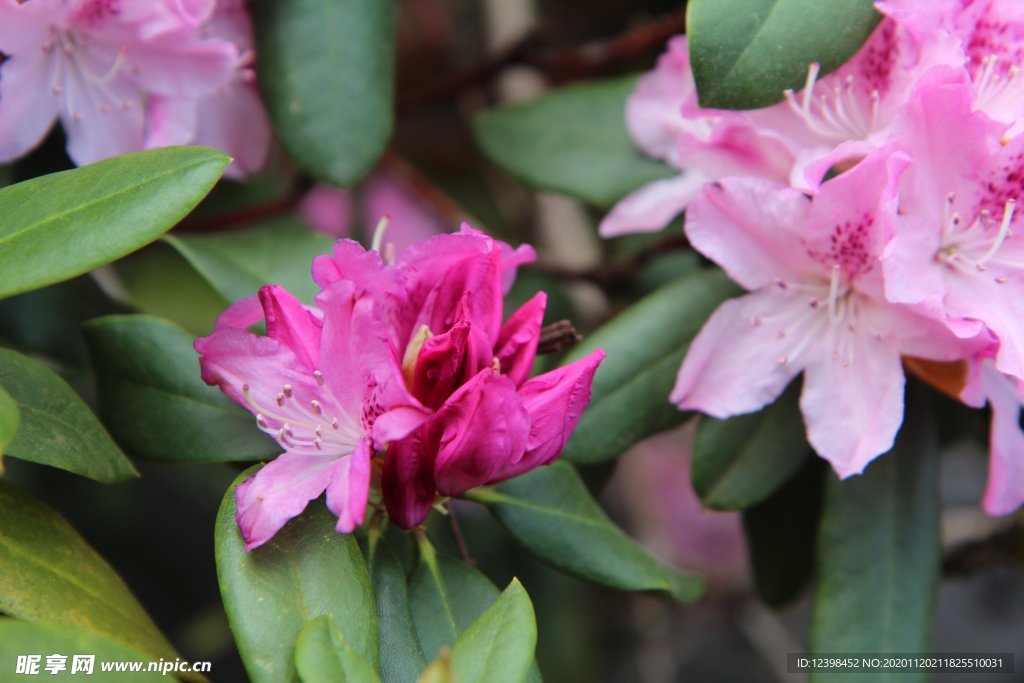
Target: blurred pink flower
{"type": "Point", "coordinates": [94, 63]}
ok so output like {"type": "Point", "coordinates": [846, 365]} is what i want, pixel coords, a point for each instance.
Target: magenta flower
{"type": "Point", "coordinates": [816, 307]}
{"type": "Point", "coordinates": [959, 250]}
{"type": "Point", "coordinates": [325, 384]}
{"type": "Point", "coordinates": [1005, 490]}
{"type": "Point", "coordinates": [490, 420]}
{"type": "Point", "coordinates": [94, 64]}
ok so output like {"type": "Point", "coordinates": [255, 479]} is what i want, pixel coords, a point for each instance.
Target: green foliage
{"type": "Point", "coordinates": [323, 656]}
{"type": "Point", "coordinates": [154, 401]}
{"type": "Point", "coordinates": [53, 578]}
{"type": "Point", "coordinates": [401, 657]}
{"type": "Point", "coordinates": [573, 141]}
{"type": "Point", "coordinates": [878, 552]}
{"type": "Point", "coordinates": [64, 224]}
{"type": "Point", "coordinates": [271, 593]}
{"type": "Point", "coordinates": [9, 419]}
{"type": "Point", "coordinates": [326, 75]}
{"type": "Point", "coordinates": [745, 53]}
{"type": "Point", "coordinates": [550, 512]}
{"type": "Point", "coordinates": [741, 461]}
{"type": "Point", "coordinates": [499, 645]}
{"type": "Point", "coordinates": [645, 346]}
{"type": "Point", "coordinates": [57, 428]}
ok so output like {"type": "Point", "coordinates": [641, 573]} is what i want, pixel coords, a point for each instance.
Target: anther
{"type": "Point", "coordinates": [315, 405]}
{"type": "Point", "coordinates": [287, 390]}
{"type": "Point", "coordinates": [319, 377]}
{"type": "Point", "coordinates": [280, 399]}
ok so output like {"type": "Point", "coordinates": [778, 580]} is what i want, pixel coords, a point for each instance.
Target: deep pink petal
{"type": "Point", "coordinates": [242, 314]}
{"type": "Point", "coordinates": [291, 323]}
{"type": "Point", "coordinates": [407, 483]}
{"type": "Point", "coordinates": [481, 428]}
{"type": "Point", "coordinates": [517, 342]}
{"type": "Point", "coordinates": [349, 488]}
{"type": "Point", "coordinates": [555, 401]}
{"type": "Point", "coordinates": [277, 493]}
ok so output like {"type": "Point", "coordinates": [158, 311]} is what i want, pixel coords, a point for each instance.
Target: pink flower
{"type": "Point", "coordinates": [94, 63]}
{"type": "Point", "coordinates": [816, 307]}
{"type": "Point", "coordinates": [325, 384]}
{"type": "Point", "coordinates": [1005, 490]}
{"type": "Point", "coordinates": [490, 420]}
{"type": "Point", "coordinates": [666, 122]}
{"type": "Point", "coordinates": [959, 251]}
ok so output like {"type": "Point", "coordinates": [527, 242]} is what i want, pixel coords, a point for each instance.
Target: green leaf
{"type": "Point", "coordinates": [879, 552]}
{"type": "Point", "coordinates": [573, 140]}
{"type": "Point", "coordinates": [154, 401]}
{"type": "Point", "coordinates": [9, 418]}
{"type": "Point", "coordinates": [322, 655]}
{"type": "Point", "coordinates": [745, 53]}
{"type": "Point", "coordinates": [238, 263]}
{"type": "Point", "coordinates": [499, 645]}
{"type": "Point", "coordinates": [307, 570]}
{"type": "Point", "coordinates": [552, 514]}
{"type": "Point", "coordinates": [326, 75]}
{"type": "Point", "coordinates": [64, 224]}
{"type": "Point", "coordinates": [781, 535]}
{"type": "Point", "coordinates": [24, 638]}
{"type": "Point", "coordinates": [741, 461]}
{"type": "Point", "coordinates": [51, 576]}
{"type": "Point", "coordinates": [645, 346]}
{"type": "Point", "coordinates": [57, 428]}
{"type": "Point", "coordinates": [401, 659]}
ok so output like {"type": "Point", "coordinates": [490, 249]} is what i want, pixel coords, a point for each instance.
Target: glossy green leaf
{"type": "Point", "coordinates": [745, 53]}
{"type": "Point", "coordinates": [740, 461]}
{"type": "Point", "coordinates": [499, 645]}
{"type": "Point", "coordinates": [238, 263]}
{"type": "Point", "coordinates": [322, 655]}
{"type": "Point", "coordinates": [573, 140]}
{"type": "Point", "coordinates": [401, 658]}
{"type": "Point", "coordinates": [879, 552]}
{"type": "Point", "coordinates": [645, 346]}
{"type": "Point", "coordinates": [781, 535]}
{"type": "Point", "coordinates": [326, 75]}
{"type": "Point", "coordinates": [155, 403]}
{"type": "Point", "coordinates": [9, 419]}
{"type": "Point", "coordinates": [51, 576]}
{"type": "Point", "coordinates": [552, 514]}
{"type": "Point", "coordinates": [64, 224]}
{"type": "Point", "coordinates": [307, 570]}
{"type": "Point", "coordinates": [57, 428]}
{"type": "Point", "coordinates": [24, 638]}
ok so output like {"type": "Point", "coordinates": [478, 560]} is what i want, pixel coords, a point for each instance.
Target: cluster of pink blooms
{"type": "Point", "coordinates": [402, 382]}
{"type": "Point", "coordinates": [872, 217]}
{"type": "Point", "coordinates": [126, 75]}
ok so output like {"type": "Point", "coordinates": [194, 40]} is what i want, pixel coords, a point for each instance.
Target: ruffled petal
{"type": "Point", "coordinates": [517, 343]}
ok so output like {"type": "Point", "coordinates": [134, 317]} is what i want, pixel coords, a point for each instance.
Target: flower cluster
{"type": "Point", "coordinates": [125, 75]}
{"type": "Point", "coordinates": [403, 377]}
{"type": "Point", "coordinates": [873, 219]}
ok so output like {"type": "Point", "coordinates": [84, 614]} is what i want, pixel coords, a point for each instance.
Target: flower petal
{"type": "Point", "coordinates": [653, 206]}
{"type": "Point", "coordinates": [291, 323]}
{"type": "Point", "coordinates": [1004, 492]}
{"type": "Point", "coordinates": [349, 488]}
{"type": "Point", "coordinates": [517, 342]}
{"type": "Point", "coordinates": [407, 483]}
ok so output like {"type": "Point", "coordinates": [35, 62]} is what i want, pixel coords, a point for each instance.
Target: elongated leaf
{"type": "Point", "coordinates": [238, 263]}
{"type": "Point", "coordinates": [551, 513]}
{"type": "Point", "coordinates": [745, 53]}
{"type": "Point", "coordinates": [781, 535]}
{"type": "Point", "coordinates": [401, 658]}
{"type": "Point", "coordinates": [326, 74]}
{"type": "Point", "coordinates": [57, 428]}
{"type": "Point", "coordinates": [323, 656]}
{"type": "Point", "coordinates": [645, 346]}
{"type": "Point", "coordinates": [51, 576]}
{"type": "Point", "coordinates": [741, 461]}
{"type": "Point", "coordinates": [878, 552]}
{"type": "Point", "coordinates": [306, 570]}
{"type": "Point", "coordinates": [64, 224]}
{"type": "Point", "coordinates": [18, 638]}
{"type": "Point", "coordinates": [153, 400]}
{"type": "Point", "coordinates": [9, 419]}
{"type": "Point", "coordinates": [573, 141]}
{"type": "Point", "coordinates": [499, 645]}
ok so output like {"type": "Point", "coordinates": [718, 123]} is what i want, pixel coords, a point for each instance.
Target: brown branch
{"type": "Point", "coordinates": [457, 532]}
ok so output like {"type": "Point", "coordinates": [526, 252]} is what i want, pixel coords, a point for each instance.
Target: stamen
{"type": "Point", "coordinates": [833, 293]}
{"type": "Point", "coordinates": [287, 391]}
{"type": "Point", "coordinates": [319, 377]}
{"type": "Point", "coordinates": [315, 405]}
{"type": "Point", "coordinates": [378, 233]}
{"type": "Point", "coordinates": [1004, 232]}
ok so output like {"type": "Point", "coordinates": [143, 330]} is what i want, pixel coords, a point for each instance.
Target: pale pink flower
{"type": "Point", "coordinates": [94, 63]}
{"type": "Point", "coordinates": [1005, 490]}
{"type": "Point", "coordinates": [816, 307]}
{"type": "Point", "coordinates": [325, 384]}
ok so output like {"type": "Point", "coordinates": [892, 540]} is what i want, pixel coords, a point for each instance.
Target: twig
{"type": "Point", "coordinates": [459, 540]}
